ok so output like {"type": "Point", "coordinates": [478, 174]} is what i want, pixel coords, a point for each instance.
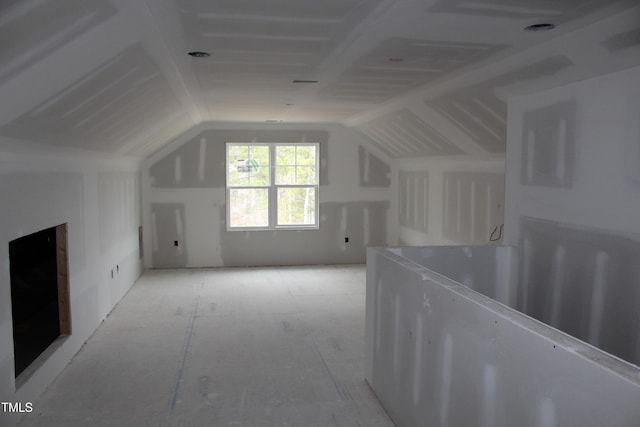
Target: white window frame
{"type": "Point", "coordinates": [272, 188]}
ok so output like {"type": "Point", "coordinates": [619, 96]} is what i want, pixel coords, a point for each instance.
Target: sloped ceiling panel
{"type": "Point", "coordinates": [133, 96]}
{"type": "Point", "coordinates": [404, 134]}
{"type": "Point", "coordinates": [30, 30]}
{"type": "Point", "coordinates": [481, 113]}
{"type": "Point", "coordinates": [131, 86]}
{"type": "Point", "coordinates": [398, 65]}
{"type": "Point", "coordinates": [379, 142]}
{"type": "Point", "coordinates": [624, 40]}
{"type": "Point", "coordinates": [558, 10]}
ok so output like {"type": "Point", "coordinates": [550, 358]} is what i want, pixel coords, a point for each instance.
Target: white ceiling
{"type": "Point", "coordinates": [114, 75]}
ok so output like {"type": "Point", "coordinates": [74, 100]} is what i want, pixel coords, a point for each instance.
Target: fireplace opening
{"type": "Point", "coordinates": [39, 293]}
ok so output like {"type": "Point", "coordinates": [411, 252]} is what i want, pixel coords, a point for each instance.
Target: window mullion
{"type": "Point", "coordinates": [295, 162]}
{"type": "Point", "coordinates": [273, 193]}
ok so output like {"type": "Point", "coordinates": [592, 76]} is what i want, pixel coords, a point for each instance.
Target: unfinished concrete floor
{"type": "Point", "coordinates": [224, 347]}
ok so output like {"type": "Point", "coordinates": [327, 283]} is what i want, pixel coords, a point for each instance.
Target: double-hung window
{"type": "Point", "coordinates": [272, 186]}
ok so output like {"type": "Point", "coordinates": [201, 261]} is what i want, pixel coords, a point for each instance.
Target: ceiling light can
{"type": "Point", "coordinates": [539, 27]}
{"type": "Point", "coordinates": [199, 54]}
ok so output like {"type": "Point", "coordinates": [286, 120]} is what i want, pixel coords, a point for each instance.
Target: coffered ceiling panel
{"type": "Point", "coordinates": [318, 113]}
{"type": "Point", "coordinates": [266, 44]}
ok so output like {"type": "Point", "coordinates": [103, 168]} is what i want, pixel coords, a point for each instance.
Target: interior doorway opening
{"type": "Point", "coordinates": [39, 293]}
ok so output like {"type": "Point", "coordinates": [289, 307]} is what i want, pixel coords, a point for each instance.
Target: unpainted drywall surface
{"type": "Point", "coordinates": [620, 42]}
{"type": "Point", "coordinates": [201, 162]}
{"type": "Point", "coordinates": [99, 201]}
{"type": "Point", "coordinates": [481, 112]}
{"type": "Point", "coordinates": [583, 282]}
{"type": "Point", "coordinates": [441, 201]}
{"type": "Point", "coordinates": [548, 153]}
{"type": "Point", "coordinates": [473, 206]}
{"type": "Point", "coordinates": [363, 222]}
{"type": "Point", "coordinates": [168, 225]}
{"type": "Point", "coordinates": [467, 113]}
{"type": "Point", "coordinates": [403, 134]}
{"type": "Point", "coordinates": [485, 269]}
{"type": "Point", "coordinates": [75, 115]}
{"type": "Point", "coordinates": [572, 204]}
{"type": "Point", "coordinates": [184, 200]}
{"type": "Point", "coordinates": [440, 354]}
{"type": "Point", "coordinates": [374, 172]}
{"type": "Point", "coordinates": [604, 191]}
{"type": "Point", "coordinates": [118, 207]}
{"type": "Point", "coordinates": [413, 200]}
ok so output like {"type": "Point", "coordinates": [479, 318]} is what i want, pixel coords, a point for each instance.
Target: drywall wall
{"type": "Point", "coordinates": [486, 269]}
{"type": "Point", "coordinates": [448, 200]}
{"type": "Point", "coordinates": [440, 354]}
{"type": "Point", "coordinates": [98, 199]}
{"type": "Point", "coordinates": [184, 200]}
{"type": "Point", "coordinates": [572, 204]}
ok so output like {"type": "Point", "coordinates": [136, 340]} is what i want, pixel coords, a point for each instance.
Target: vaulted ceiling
{"type": "Point", "coordinates": [414, 77]}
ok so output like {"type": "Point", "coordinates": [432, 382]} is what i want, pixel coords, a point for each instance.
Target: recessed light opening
{"type": "Point", "coordinates": [305, 81]}
{"type": "Point", "coordinates": [539, 27]}
{"type": "Point", "coordinates": [199, 54]}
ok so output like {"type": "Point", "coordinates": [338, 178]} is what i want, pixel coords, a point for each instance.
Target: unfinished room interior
{"type": "Point", "coordinates": [320, 213]}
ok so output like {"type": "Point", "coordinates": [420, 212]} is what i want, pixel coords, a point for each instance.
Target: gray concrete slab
{"type": "Point", "coordinates": [224, 347]}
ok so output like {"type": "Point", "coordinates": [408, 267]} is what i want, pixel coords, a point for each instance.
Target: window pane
{"type": "Point", "coordinates": [285, 155]}
{"type": "Point", "coordinates": [303, 157]}
{"type": "Point", "coordinates": [306, 155]}
{"type": "Point", "coordinates": [297, 206]}
{"type": "Point", "coordinates": [260, 153]}
{"type": "Point", "coordinates": [248, 165]}
{"type": "Point", "coordinates": [292, 175]}
{"type": "Point", "coordinates": [285, 175]}
{"type": "Point", "coordinates": [249, 207]}
{"type": "Point", "coordinates": [235, 154]}
{"type": "Point", "coordinates": [306, 175]}
{"type": "Point", "coordinates": [259, 165]}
